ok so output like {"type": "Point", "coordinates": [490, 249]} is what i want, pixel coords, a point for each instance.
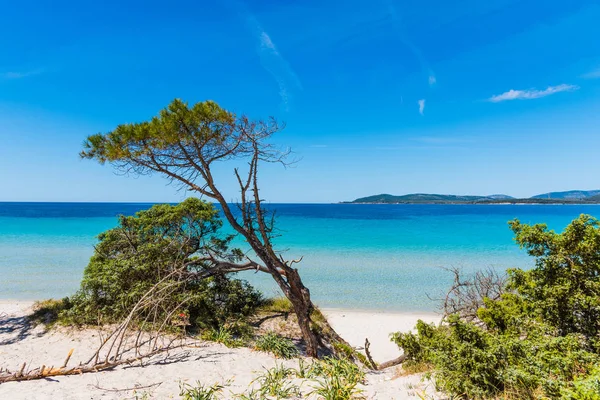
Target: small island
{"type": "Point", "coordinates": [568, 197]}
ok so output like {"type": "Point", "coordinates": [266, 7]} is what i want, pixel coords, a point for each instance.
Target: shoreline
{"type": "Point", "coordinates": [383, 311]}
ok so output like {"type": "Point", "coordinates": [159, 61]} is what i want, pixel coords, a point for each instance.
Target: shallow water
{"type": "Point", "coordinates": [387, 257]}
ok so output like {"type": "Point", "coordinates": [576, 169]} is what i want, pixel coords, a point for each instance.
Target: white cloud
{"type": "Point", "coordinates": [271, 59]}
{"type": "Point", "coordinates": [592, 74]}
{"type": "Point", "coordinates": [19, 74]}
{"type": "Point", "coordinates": [432, 80]}
{"type": "Point", "coordinates": [532, 93]}
{"type": "Point", "coordinates": [421, 106]}
{"type": "Point", "coordinates": [266, 42]}
{"type": "Point", "coordinates": [440, 140]}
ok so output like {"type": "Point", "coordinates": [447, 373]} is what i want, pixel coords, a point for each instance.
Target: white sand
{"type": "Point", "coordinates": [210, 363]}
{"type": "Point", "coordinates": [355, 326]}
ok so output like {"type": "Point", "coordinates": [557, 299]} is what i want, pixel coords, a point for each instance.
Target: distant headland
{"type": "Point", "coordinates": [568, 197]}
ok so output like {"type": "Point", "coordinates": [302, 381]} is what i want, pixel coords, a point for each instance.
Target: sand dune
{"type": "Point", "coordinates": [161, 375]}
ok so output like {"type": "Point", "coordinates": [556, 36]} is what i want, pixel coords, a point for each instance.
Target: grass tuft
{"type": "Point", "coordinates": [337, 379]}
{"type": "Point", "coordinates": [277, 345]}
{"type": "Point", "coordinates": [276, 305]}
{"type": "Point", "coordinates": [222, 335]}
{"type": "Point", "coordinates": [275, 382]}
{"type": "Point", "coordinates": [200, 391]}
{"type": "Point", "coordinates": [48, 311]}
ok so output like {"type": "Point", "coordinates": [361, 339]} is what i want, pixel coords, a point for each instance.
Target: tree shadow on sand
{"type": "Point", "coordinates": [14, 329]}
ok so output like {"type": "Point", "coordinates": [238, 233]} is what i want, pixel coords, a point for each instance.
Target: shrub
{"type": "Point", "coordinates": [277, 305]}
{"type": "Point", "coordinates": [539, 339]}
{"type": "Point", "coordinates": [162, 244]}
{"type": "Point", "coordinates": [564, 287]}
{"type": "Point", "coordinates": [273, 343]}
{"type": "Point", "coordinates": [48, 311]}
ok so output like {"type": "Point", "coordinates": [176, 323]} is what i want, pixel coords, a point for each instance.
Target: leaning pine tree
{"type": "Point", "coordinates": [184, 144]}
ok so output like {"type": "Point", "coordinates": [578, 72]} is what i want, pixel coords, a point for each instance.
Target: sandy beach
{"type": "Point", "coordinates": [209, 363]}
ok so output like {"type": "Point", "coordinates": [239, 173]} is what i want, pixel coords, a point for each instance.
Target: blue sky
{"type": "Point", "coordinates": [386, 96]}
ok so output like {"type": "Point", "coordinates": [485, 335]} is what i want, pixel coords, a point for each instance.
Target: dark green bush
{"type": "Point", "coordinates": [160, 245]}
{"type": "Point", "coordinates": [539, 339]}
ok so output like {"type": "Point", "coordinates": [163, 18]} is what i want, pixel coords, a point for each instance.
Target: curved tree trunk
{"type": "Point", "coordinates": [183, 143]}
{"type": "Point", "coordinates": [300, 299]}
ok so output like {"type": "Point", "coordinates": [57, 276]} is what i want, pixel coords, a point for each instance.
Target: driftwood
{"type": "Point", "coordinates": [368, 353]}
{"type": "Point", "coordinates": [378, 367]}
{"type": "Point", "coordinates": [96, 386]}
{"type": "Point", "coordinates": [391, 363]}
{"type": "Point", "coordinates": [128, 343]}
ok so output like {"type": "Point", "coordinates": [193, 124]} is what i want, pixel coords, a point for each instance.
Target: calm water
{"type": "Point", "coordinates": [355, 256]}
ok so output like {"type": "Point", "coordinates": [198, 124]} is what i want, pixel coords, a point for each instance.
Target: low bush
{"type": "Point", "coordinates": [48, 311]}
{"type": "Point", "coordinates": [539, 339]}
{"type": "Point", "coordinates": [163, 244]}
{"type": "Point", "coordinates": [277, 305]}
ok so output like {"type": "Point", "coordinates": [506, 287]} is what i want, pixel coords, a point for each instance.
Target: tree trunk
{"type": "Point", "coordinates": [300, 299]}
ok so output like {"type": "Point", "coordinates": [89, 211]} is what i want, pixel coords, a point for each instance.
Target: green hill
{"type": "Point", "coordinates": [428, 198]}
{"type": "Point", "coordinates": [569, 195]}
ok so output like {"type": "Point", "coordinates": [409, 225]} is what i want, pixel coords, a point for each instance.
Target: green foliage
{"type": "Point", "coordinates": [279, 346]}
{"type": "Point", "coordinates": [277, 305]}
{"type": "Point", "coordinates": [337, 379]}
{"type": "Point", "coordinates": [275, 382]}
{"type": "Point", "coordinates": [224, 336]}
{"type": "Point", "coordinates": [348, 352]}
{"type": "Point", "coordinates": [564, 287]}
{"type": "Point", "coordinates": [48, 311]}
{"type": "Point", "coordinates": [252, 394]}
{"type": "Point", "coordinates": [206, 123]}
{"type": "Point", "coordinates": [584, 388]}
{"type": "Point", "coordinates": [336, 388]}
{"type": "Point", "coordinates": [160, 245]}
{"type": "Point", "coordinates": [200, 391]}
{"type": "Point", "coordinates": [338, 367]}
{"type": "Point", "coordinates": [539, 340]}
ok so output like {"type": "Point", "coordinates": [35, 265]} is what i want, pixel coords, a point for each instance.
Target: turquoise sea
{"type": "Point", "coordinates": [355, 256]}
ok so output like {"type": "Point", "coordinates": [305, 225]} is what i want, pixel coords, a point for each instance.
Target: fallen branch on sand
{"type": "Point", "coordinates": [124, 345]}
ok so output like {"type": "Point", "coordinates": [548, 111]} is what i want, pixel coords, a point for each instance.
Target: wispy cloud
{"type": "Point", "coordinates": [277, 66]}
{"type": "Point", "coordinates": [532, 93]}
{"type": "Point", "coordinates": [397, 25]}
{"type": "Point", "coordinates": [270, 57]}
{"type": "Point", "coordinates": [421, 106]}
{"type": "Point", "coordinates": [11, 75]}
{"type": "Point", "coordinates": [266, 42]}
{"type": "Point", "coordinates": [441, 140]}
{"type": "Point", "coordinates": [592, 74]}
